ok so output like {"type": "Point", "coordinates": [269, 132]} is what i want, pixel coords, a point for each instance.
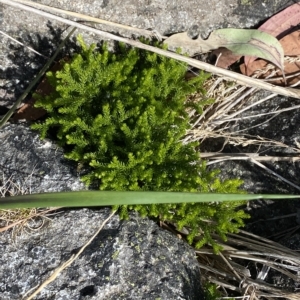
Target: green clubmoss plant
{"type": "Point", "coordinates": [212, 293]}
{"type": "Point", "coordinates": [124, 114]}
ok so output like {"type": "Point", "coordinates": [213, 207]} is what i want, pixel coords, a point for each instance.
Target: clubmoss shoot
{"type": "Point", "coordinates": [124, 115]}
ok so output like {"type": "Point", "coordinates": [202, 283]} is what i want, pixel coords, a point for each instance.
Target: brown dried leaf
{"type": "Point", "coordinates": [188, 45]}
{"type": "Point", "coordinates": [226, 59]}
{"type": "Point", "coordinates": [281, 23]}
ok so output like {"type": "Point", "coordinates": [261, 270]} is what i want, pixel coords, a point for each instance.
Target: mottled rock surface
{"type": "Point", "coordinates": [35, 166]}
{"type": "Point", "coordinates": [132, 259]}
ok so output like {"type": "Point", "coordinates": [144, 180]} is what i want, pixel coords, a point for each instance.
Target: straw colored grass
{"type": "Point", "coordinates": [23, 219]}
{"type": "Point", "coordinates": [241, 269]}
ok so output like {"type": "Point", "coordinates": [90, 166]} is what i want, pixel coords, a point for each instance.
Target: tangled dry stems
{"type": "Point", "coordinates": [21, 219]}
{"type": "Point", "coordinates": [220, 119]}
{"type": "Point", "coordinates": [231, 271]}
{"type": "Point", "coordinates": [245, 254]}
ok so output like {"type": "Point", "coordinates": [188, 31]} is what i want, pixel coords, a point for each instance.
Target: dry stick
{"type": "Point", "coordinates": [261, 242]}
{"type": "Point", "coordinates": [247, 139]}
{"type": "Point", "coordinates": [279, 77]}
{"type": "Point", "coordinates": [217, 271]}
{"type": "Point", "coordinates": [253, 104]}
{"type": "Point", "coordinates": [224, 108]}
{"type": "Point", "coordinates": [285, 233]}
{"type": "Point", "coordinates": [88, 18]}
{"type": "Point", "coordinates": [283, 257]}
{"type": "Point", "coordinates": [274, 218]}
{"type": "Point", "coordinates": [229, 119]}
{"type": "Point", "coordinates": [247, 156]}
{"type": "Point", "coordinates": [218, 111]}
{"type": "Point", "coordinates": [27, 218]}
{"type": "Point", "coordinates": [274, 173]}
{"type": "Point", "coordinates": [287, 296]}
{"type": "Point", "coordinates": [34, 81]}
{"type": "Point", "coordinates": [272, 264]}
{"type": "Point", "coordinates": [249, 281]}
{"type": "Point", "coordinates": [283, 253]}
{"type": "Point", "coordinates": [230, 267]}
{"type": "Point", "coordinates": [257, 125]}
{"type": "Point", "coordinates": [249, 257]}
{"type": "Point", "coordinates": [68, 262]}
{"type": "Point", "coordinates": [238, 78]}
{"type": "Point", "coordinates": [233, 104]}
{"type": "Point", "coordinates": [16, 41]}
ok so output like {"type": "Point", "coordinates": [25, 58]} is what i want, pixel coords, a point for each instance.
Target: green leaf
{"type": "Point", "coordinates": [110, 198]}
{"type": "Point", "coordinates": [249, 42]}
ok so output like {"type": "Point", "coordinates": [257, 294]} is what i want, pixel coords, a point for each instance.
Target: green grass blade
{"type": "Point", "coordinates": [109, 198]}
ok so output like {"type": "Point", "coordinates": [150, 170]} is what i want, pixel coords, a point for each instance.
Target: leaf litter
{"type": "Point", "coordinates": [291, 45]}
{"type": "Point", "coordinates": [239, 41]}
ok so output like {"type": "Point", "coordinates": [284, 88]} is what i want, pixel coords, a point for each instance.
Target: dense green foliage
{"type": "Point", "coordinates": [124, 114]}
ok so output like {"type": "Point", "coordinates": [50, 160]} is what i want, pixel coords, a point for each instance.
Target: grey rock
{"type": "Point", "coordinates": [132, 259]}
{"type": "Point", "coordinates": [33, 165]}
{"type": "Point", "coordinates": [129, 260]}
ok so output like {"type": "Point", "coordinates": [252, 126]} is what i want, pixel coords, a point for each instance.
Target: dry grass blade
{"type": "Point", "coordinates": [147, 33]}
{"type": "Point", "coordinates": [275, 174]}
{"type": "Point", "coordinates": [16, 41]}
{"type": "Point", "coordinates": [34, 81]}
{"type": "Point", "coordinates": [241, 252]}
{"type": "Point", "coordinates": [219, 118]}
{"type": "Point", "coordinates": [215, 156]}
{"type": "Point", "coordinates": [19, 219]}
{"type": "Point", "coordinates": [232, 139]}
{"type": "Point", "coordinates": [219, 122]}
{"type": "Point", "coordinates": [56, 273]}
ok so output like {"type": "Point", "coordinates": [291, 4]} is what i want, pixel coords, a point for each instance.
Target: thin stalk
{"type": "Point", "coordinates": [238, 78]}
{"type": "Point", "coordinates": [88, 18]}
{"type": "Point", "coordinates": [34, 81]}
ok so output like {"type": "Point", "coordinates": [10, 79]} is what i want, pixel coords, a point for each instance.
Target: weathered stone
{"type": "Point", "coordinates": [33, 165]}
{"type": "Point", "coordinates": [132, 259]}
{"type": "Point", "coordinates": [129, 260]}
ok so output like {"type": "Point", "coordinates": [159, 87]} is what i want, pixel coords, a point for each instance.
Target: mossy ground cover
{"type": "Point", "coordinates": [124, 115]}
